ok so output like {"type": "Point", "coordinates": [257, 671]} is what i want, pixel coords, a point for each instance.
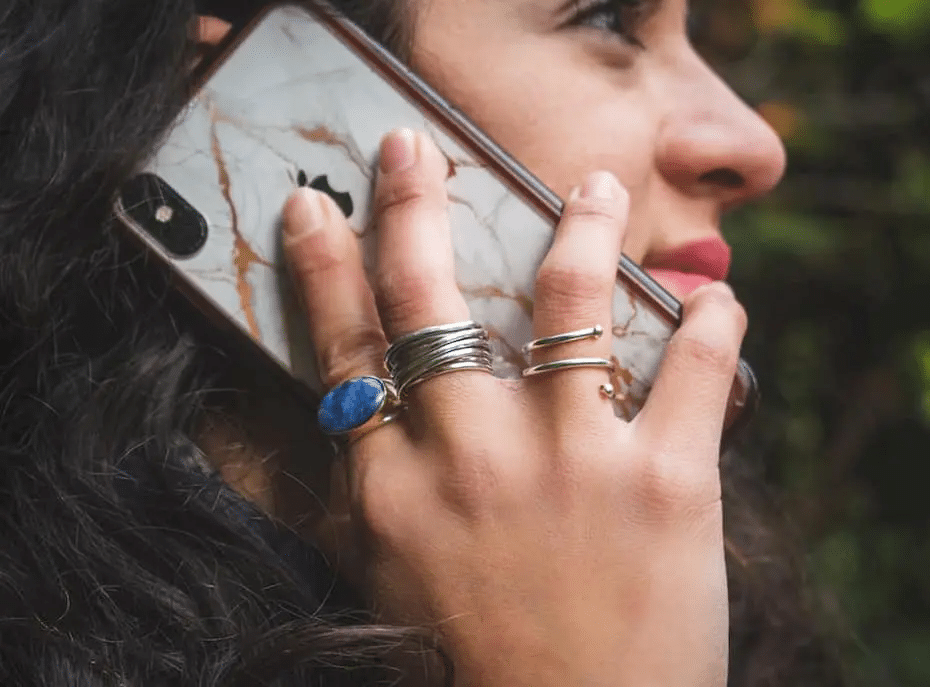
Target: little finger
{"type": "Point", "coordinates": [685, 411]}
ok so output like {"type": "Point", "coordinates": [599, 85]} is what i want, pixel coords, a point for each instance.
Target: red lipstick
{"type": "Point", "coordinates": [683, 269]}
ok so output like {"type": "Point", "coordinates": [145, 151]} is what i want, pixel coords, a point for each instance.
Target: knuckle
{"type": "Point", "coordinates": [485, 473]}
{"type": "Point", "coordinates": [407, 281]}
{"type": "Point", "coordinates": [712, 331]}
{"type": "Point", "coordinates": [318, 253]}
{"type": "Point", "coordinates": [715, 353]}
{"type": "Point", "coordinates": [473, 485]}
{"type": "Point", "coordinates": [559, 285]}
{"type": "Point", "coordinates": [382, 509]}
{"type": "Point", "coordinates": [409, 189]}
{"type": "Point", "coordinates": [357, 350]}
{"type": "Point", "coordinates": [595, 211]}
{"type": "Point", "coordinates": [665, 491]}
{"type": "Point", "coordinates": [405, 295]}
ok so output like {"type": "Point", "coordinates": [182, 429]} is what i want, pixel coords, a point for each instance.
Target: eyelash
{"type": "Point", "coordinates": [622, 18]}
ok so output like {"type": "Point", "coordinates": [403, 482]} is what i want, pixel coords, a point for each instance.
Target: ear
{"type": "Point", "coordinates": [210, 31]}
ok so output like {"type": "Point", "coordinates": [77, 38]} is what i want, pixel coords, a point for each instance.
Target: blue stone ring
{"type": "Point", "coordinates": [358, 406]}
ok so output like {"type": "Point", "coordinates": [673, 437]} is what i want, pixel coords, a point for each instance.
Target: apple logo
{"type": "Point", "coordinates": [321, 183]}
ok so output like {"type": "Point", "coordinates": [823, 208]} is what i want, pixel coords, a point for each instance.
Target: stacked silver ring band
{"type": "Point", "coordinates": [430, 352]}
{"type": "Point", "coordinates": [595, 332]}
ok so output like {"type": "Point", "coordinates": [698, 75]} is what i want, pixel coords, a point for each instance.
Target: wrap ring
{"type": "Point", "coordinates": [358, 406]}
{"type": "Point", "coordinates": [607, 390]}
{"type": "Point", "coordinates": [595, 332]}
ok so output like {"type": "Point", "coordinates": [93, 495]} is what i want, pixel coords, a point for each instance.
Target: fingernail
{"type": "Point", "coordinates": [601, 185]}
{"type": "Point", "coordinates": [305, 214]}
{"type": "Point", "coordinates": [398, 151]}
{"type": "Point", "coordinates": [724, 287]}
{"type": "Point", "coordinates": [721, 288]}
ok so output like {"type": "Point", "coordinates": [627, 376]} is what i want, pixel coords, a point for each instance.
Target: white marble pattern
{"type": "Point", "coordinates": [294, 98]}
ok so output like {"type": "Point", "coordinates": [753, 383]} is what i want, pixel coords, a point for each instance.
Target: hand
{"type": "Point", "coordinates": [548, 542]}
{"type": "Point", "coordinates": [208, 33]}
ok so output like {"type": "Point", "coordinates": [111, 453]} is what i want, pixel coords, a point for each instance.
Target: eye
{"type": "Point", "coordinates": [621, 18]}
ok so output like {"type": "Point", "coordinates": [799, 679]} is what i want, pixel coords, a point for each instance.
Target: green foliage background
{"type": "Point", "coordinates": [834, 269]}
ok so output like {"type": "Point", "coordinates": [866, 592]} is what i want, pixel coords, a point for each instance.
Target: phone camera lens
{"type": "Point", "coordinates": [164, 215]}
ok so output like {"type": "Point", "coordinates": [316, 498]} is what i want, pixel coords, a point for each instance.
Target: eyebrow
{"type": "Point", "coordinates": [644, 8]}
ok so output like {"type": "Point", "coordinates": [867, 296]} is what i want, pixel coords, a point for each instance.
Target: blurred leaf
{"type": "Point", "coordinates": [834, 269]}
{"type": "Point", "coordinates": [820, 26]}
{"type": "Point", "coordinates": [902, 19]}
{"type": "Point", "coordinates": [837, 560]}
{"type": "Point", "coordinates": [911, 651]}
{"type": "Point", "coordinates": [781, 232]}
{"type": "Point", "coordinates": [774, 14]}
{"type": "Point", "coordinates": [785, 118]}
{"type": "Point", "coordinates": [801, 349]}
{"type": "Point", "coordinates": [922, 359]}
{"type": "Point", "coordinates": [797, 18]}
{"type": "Point", "coordinates": [914, 187]}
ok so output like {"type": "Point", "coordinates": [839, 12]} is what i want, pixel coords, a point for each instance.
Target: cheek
{"type": "Point", "coordinates": [570, 136]}
{"type": "Point", "coordinates": [559, 117]}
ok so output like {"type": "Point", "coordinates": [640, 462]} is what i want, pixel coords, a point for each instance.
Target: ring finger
{"type": "Point", "coordinates": [574, 291]}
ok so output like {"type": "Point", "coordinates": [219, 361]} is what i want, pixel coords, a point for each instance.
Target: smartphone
{"type": "Point", "coordinates": [302, 96]}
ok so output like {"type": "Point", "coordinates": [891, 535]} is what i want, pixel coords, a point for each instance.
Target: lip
{"type": "Point", "coordinates": [708, 257]}
{"type": "Point", "coordinates": [683, 269]}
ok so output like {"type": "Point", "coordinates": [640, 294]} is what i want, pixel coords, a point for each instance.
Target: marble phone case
{"type": "Point", "coordinates": [303, 94]}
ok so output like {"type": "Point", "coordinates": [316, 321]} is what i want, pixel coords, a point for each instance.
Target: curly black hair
{"type": "Point", "coordinates": [124, 558]}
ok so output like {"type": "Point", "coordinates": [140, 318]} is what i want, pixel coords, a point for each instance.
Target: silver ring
{"type": "Point", "coordinates": [446, 356]}
{"type": "Point", "coordinates": [429, 332]}
{"type": "Point", "coordinates": [607, 390]}
{"type": "Point", "coordinates": [429, 352]}
{"type": "Point", "coordinates": [594, 332]}
{"type": "Point", "coordinates": [566, 364]}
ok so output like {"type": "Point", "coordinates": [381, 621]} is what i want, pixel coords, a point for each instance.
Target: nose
{"type": "Point", "coordinates": [713, 144]}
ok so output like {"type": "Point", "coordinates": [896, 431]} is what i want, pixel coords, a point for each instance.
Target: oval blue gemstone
{"type": "Point", "coordinates": [351, 404]}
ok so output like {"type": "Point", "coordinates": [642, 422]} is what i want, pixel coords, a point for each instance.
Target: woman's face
{"type": "Point", "coordinates": [573, 87]}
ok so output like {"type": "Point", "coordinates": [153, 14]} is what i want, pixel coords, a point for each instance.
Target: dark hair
{"type": "Point", "coordinates": [124, 559]}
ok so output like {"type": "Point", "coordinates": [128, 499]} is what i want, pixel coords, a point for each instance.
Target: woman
{"type": "Point", "coordinates": [541, 541]}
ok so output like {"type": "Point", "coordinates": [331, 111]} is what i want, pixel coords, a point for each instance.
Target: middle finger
{"type": "Point", "coordinates": [415, 276]}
